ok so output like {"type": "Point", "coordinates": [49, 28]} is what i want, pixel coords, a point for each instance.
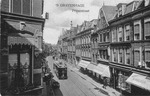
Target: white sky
{"type": "Point", "coordinates": [60, 17]}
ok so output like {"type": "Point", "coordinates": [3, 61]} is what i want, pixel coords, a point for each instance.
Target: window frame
{"type": "Point", "coordinates": [127, 32]}
{"type": "Point", "coordinates": [146, 20]}
{"type": "Point", "coordinates": [137, 23]}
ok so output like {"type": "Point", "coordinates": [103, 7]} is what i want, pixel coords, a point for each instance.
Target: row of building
{"type": "Point", "coordinates": [115, 45]}
{"type": "Point", "coordinates": [21, 38]}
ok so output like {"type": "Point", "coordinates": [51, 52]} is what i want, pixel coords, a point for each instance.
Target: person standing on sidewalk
{"type": "Point", "coordinates": [105, 82]}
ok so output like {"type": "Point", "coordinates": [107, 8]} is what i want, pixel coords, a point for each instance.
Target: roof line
{"type": "Point", "coordinates": [105, 16]}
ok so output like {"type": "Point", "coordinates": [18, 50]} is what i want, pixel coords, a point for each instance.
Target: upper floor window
{"type": "Point", "coordinates": [120, 58]}
{"type": "Point", "coordinates": [114, 57]}
{"type": "Point", "coordinates": [147, 28]}
{"type": "Point", "coordinates": [120, 34]}
{"type": "Point", "coordinates": [114, 35]}
{"type": "Point", "coordinates": [107, 37]}
{"type": "Point", "coordinates": [104, 37]}
{"type": "Point", "coordinates": [127, 56]}
{"type": "Point", "coordinates": [137, 30]}
{"type": "Point", "coordinates": [127, 33]}
{"type": "Point", "coordinates": [137, 57]}
{"type": "Point", "coordinates": [22, 7]}
{"type": "Point", "coordinates": [100, 37]}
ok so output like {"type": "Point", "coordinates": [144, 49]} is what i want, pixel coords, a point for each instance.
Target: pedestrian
{"type": "Point", "coordinates": [105, 82]}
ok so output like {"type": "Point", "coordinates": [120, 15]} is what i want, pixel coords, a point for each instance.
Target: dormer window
{"type": "Point", "coordinates": [120, 12]}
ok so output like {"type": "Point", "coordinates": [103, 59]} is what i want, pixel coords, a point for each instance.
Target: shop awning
{"type": "Point", "coordinates": [20, 40]}
{"type": "Point", "coordinates": [91, 67]}
{"type": "Point", "coordinates": [102, 70]}
{"type": "Point", "coordinates": [139, 81]}
{"type": "Point", "coordinates": [83, 63]}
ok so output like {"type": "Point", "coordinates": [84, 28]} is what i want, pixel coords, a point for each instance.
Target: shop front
{"type": "Point", "coordinates": [140, 84]}
{"type": "Point", "coordinates": [102, 71]}
{"type": "Point", "coordinates": [22, 42]}
{"type": "Point", "coordinates": [118, 80]}
{"type": "Point", "coordinates": [90, 69]}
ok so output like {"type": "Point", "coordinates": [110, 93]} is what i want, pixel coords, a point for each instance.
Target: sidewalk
{"type": "Point", "coordinates": [109, 90]}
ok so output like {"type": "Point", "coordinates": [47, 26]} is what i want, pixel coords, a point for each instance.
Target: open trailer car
{"type": "Point", "coordinates": [60, 69]}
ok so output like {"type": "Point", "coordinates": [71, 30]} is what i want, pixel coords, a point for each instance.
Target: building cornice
{"type": "Point", "coordinates": [22, 17]}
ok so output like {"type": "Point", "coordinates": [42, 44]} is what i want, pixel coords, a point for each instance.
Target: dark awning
{"type": "Point", "coordinates": [17, 27]}
{"type": "Point", "coordinates": [21, 33]}
{"type": "Point", "coordinates": [20, 40]}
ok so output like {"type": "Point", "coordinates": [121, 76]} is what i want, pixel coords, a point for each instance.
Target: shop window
{"type": "Point", "coordinates": [137, 32]}
{"type": "Point", "coordinates": [147, 30]}
{"type": "Point", "coordinates": [19, 73]}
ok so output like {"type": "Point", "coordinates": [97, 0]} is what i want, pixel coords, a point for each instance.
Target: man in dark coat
{"type": "Point", "coordinates": [105, 82]}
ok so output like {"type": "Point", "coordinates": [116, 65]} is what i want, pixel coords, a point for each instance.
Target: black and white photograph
{"type": "Point", "coordinates": [75, 48]}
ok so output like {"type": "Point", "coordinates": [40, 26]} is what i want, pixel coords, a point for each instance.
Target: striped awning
{"type": "Point", "coordinates": [21, 33]}
{"type": "Point", "coordinates": [83, 63]}
{"type": "Point", "coordinates": [102, 70]}
{"type": "Point", "coordinates": [91, 67]}
{"type": "Point", "coordinates": [20, 40]}
{"type": "Point", "coordinates": [139, 81]}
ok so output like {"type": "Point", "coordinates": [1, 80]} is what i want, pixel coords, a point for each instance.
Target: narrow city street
{"type": "Point", "coordinates": [75, 85]}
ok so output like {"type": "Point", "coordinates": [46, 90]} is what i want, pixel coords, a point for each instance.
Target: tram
{"type": "Point", "coordinates": [60, 69]}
